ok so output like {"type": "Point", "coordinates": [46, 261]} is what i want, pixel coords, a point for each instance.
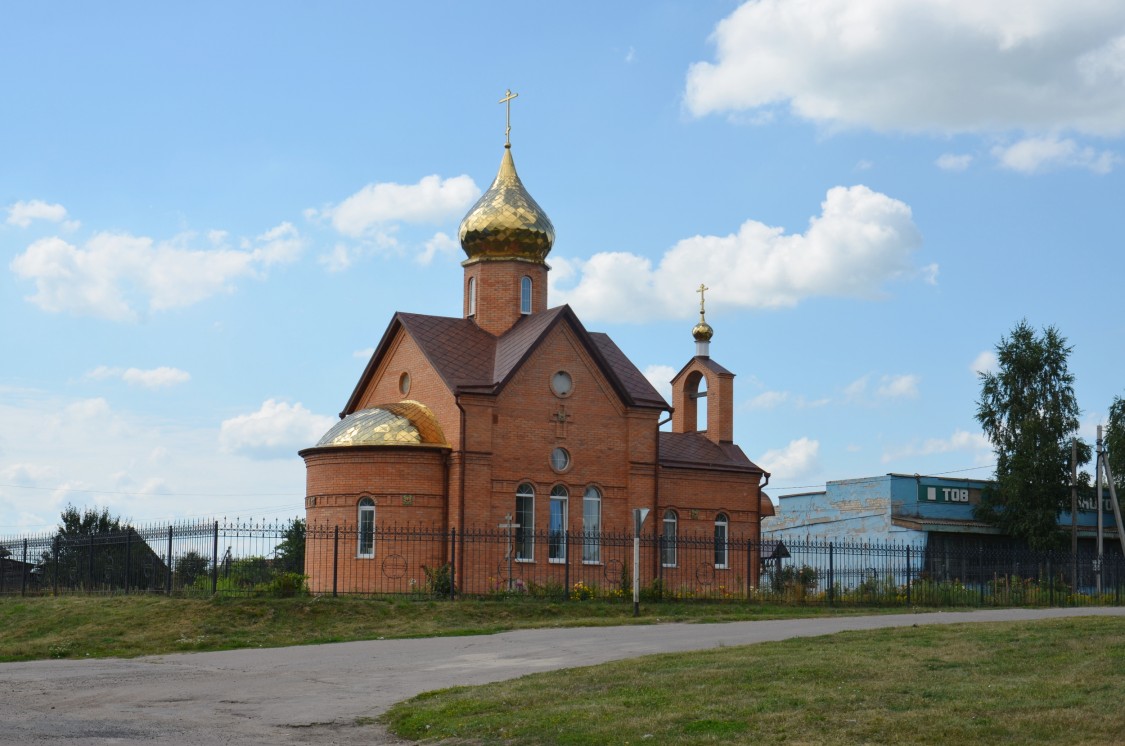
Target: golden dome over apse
{"type": "Point", "coordinates": [506, 223]}
{"type": "Point", "coordinates": [404, 423]}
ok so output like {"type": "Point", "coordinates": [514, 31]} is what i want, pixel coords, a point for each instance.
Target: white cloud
{"type": "Point", "coordinates": [769, 399]}
{"type": "Point", "coordinates": [898, 387]}
{"type": "Point", "coordinates": [113, 275]}
{"type": "Point", "coordinates": [660, 376]}
{"type": "Point", "coordinates": [21, 214]}
{"type": "Point", "coordinates": [279, 245]}
{"type": "Point", "coordinates": [936, 65]}
{"type": "Point", "coordinates": [772, 399]}
{"type": "Point", "coordinates": [431, 200]}
{"type": "Point", "coordinates": [153, 378]}
{"type": "Point", "coordinates": [337, 260]}
{"type": "Point", "coordinates": [954, 161]}
{"type": "Point", "coordinates": [1037, 154]}
{"type": "Point", "coordinates": [929, 273]}
{"type": "Point", "coordinates": [277, 430]}
{"type": "Point", "coordinates": [960, 441]}
{"type": "Point", "coordinates": [856, 388]}
{"type": "Point", "coordinates": [985, 362]}
{"type": "Point", "coordinates": [861, 240]}
{"type": "Point", "coordinates": [364, 354]}
{"type": "Point", "coordinates": [796, 460]}
{"type": "Point", "coordinates": [439, 243]}
{"type": "Point", "coordinates": [138, 465]}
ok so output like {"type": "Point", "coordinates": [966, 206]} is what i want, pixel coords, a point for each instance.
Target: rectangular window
{"type": "Point", "coordinates": [592, 526]}
{"type": "Point", "coordinates": [556, 529]}
{"type": "Point", "coordinates": [525, 534]}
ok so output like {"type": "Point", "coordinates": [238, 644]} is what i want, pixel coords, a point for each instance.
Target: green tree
{"type": "Point", "coordinates": [1115, 443]}
{"type": "Point", "coordinates": [290, 552]}
{"type": "Point", "coordinates": [1028, 411]}
{"type": "Point", "coordinates": [95, 549]}
{"type": "Point", "coordinates": [190, 566]}
{"type": "Point", "coordinates": [89, 521]}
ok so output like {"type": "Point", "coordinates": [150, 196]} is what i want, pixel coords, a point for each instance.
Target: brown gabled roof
{"type": "Point", "coordinates": [634, 381]}
{"type": "Point", "coordinates": [469, 359]}
{"type": "Point", "coordinates": [707, 363]}
{"type": "Point", "coordinates": [695, 451]}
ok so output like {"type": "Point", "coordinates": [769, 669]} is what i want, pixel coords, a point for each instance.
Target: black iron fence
{"type": "Point", "coordinates": [286, 558]}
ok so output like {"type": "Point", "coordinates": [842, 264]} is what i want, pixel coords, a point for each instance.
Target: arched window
{"type": "Point", "coordinates": [668, 553]}
{"type": "Point", "coordinates": [525, 294]}
{"type": "Point", "coordinates": [721, 525]}
{"type": "Point", "coordinates": [556, 526]}
{"type": "Point", "coordinates": [525, 517]}
{"type": "Point", "coordinates": [472, 293]}
{"type": "Point", "coordinates": [366, 525]}
{"type": "Point", "coordinates": [592, 525]}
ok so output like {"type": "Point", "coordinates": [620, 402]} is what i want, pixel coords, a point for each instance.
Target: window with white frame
{"type": "Point", "coordinates": [668, 539]}
{"type": "Point", "coordinates": [592, 525]}
{"type": "Point", "coordinates": [721, 525]}
{"type": "Point", "coordinates": [525, 517]}
{"type": "Point", "coordinates": [366, 524]}
{"type": "Point", "coordinates": [472, 296]}
{"type": "Point", "coordinates": [525, 294]}
{"type": "Point", "coordinates": [556, 526]}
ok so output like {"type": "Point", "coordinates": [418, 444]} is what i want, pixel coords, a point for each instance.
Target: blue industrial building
{"type": "Point", "coordinates": [934, 512]}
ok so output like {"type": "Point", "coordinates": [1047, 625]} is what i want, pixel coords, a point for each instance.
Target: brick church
{"type": "Point", "coordinates": [515, 415]}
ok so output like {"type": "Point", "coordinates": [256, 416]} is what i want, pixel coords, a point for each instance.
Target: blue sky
{"type": "Point", "coordinates": [208, 214]}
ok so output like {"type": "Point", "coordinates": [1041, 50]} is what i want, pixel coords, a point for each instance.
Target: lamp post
{"type": "Point", "coordinates": [639, 515]}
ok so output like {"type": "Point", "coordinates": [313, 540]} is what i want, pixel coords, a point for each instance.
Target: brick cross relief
{"type": "Point", "coordinates": [560, 418]}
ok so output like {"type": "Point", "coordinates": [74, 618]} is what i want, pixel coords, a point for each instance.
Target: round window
{"type": "Point", "coordinates": [562, 384]}
{"type": "Point", "coordinates": [560, 459]}
{"type": "Point", "coordinates": [404, 383]}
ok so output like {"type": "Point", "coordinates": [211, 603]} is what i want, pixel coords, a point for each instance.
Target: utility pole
{"type": "Point", "coordinates": [1074, 514]}
{"type": "Point", "coordinates": [1098, 508]}
{"type": "Point", "coordinates": [1103, 464]}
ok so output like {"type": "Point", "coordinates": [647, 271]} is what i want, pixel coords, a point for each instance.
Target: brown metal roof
{"type": "Point", "coordinates": [707, 363]}
{"type": "Point", "coordinates": [469, 359]}
{"type": "Point", "coordinates": [634, 381]}
{"type": "Point", "coordinates": [695, 451]}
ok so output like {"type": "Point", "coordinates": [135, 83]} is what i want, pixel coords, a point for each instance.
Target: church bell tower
{"type": "Point", "coordinates": [506, 236]}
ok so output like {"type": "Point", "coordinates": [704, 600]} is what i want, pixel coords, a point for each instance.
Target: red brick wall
{"type": "Point", "coordinates": [498, 292]}
{"type": "Point", "coordinates": [406, 484]}
{"type": "Point", "coordinates": [508, 440]}
{"type": "Point", "coordinates": [720, 402]}
{"type": "Point", "coordinates": [426, 386]}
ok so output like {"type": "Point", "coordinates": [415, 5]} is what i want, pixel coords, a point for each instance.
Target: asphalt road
{"type": "Point", "coordinates": [326, 694]}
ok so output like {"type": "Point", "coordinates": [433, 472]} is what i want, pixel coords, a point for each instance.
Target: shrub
{"type": "Point", "coordinates": [285, 585]}
{"type": "Point", "coordinates": [439, 580]}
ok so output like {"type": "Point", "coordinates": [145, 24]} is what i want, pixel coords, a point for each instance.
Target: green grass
{"type": "Point", "coordinates": [1058, 681]}
{"type": "Point", "coordinates": [122, 626]}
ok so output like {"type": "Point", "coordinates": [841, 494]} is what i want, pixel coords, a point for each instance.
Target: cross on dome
{"type": "Point", "coordinates": [507, 100]}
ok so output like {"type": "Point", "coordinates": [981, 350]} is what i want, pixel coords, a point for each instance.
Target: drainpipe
{"type": "Point", "coordinates": [461, 516]}
{"type": "Point", "coordinates": [657, 518]}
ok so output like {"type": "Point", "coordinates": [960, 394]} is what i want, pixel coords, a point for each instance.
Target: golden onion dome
{"type": "Point", "coordinates": [506, 223]}
{"type": "Point", "coordinates": [404, 423]}
{"type": "Point", "coordinates": [702, 331]}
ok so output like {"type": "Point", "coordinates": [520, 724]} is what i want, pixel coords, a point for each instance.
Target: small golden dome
{"type": "Point", "coordinates": [404, 423]}
{"type": "Point", "coordinates": [506, 223]}
{"type": "Point", "coordinates": [702, 331]}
